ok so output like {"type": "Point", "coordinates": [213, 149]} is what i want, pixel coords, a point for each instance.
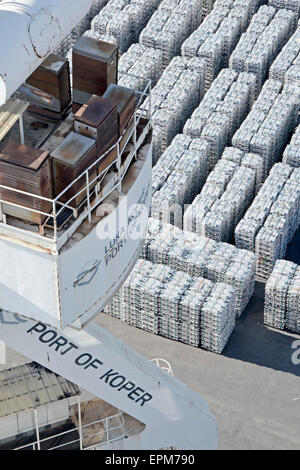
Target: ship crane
{"type": "Point", "coordinates": [55, 280]}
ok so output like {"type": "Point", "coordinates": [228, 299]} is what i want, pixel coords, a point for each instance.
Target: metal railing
{"type": "Point", "coordinates": [90, 191]}
{"type": "Point", "coordinates": [111, 432]}
{"type": "Point", "coordinates": [163, 364]}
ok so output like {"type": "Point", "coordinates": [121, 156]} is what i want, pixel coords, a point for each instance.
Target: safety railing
{"type": "Point", "coordinates": [62, 208]}
{"type": "Point", "coordinates": [112, 429]}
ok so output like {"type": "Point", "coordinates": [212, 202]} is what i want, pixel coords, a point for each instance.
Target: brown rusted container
{"type": "Point", "coordinates": [107, 160]}
{"type": "Point", "coordinates": [71, 158]}
{"type": "Point", "coordinates": [98, 119]}
{"type": "Point", "coordinates": [94, 68]}
{"type": "Point", "coordinates": [53, 77]}
{"type": "Point", "coordinates": [125, 100]}
{"type": "Point", "coordinates": [28, 170]}
{"type": "Point", "coordinates": [75, 107]}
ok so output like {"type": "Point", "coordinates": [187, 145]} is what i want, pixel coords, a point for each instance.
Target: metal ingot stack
{"type": "Point", "coordinates": [202, 257]}
{"type": "Point", "coordinates": [270, 223]}
{"type": "Point", "coordinates": [220, 111]}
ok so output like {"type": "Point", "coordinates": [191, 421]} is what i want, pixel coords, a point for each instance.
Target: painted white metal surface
{"type": "Point", "coordinates": [78, 281]}
{"type": "Point", "coordinates": [28, 281]}
{"type": "Point", "coordinates": [173, 414]}
{"type": "Point", "coordinates": [29, 31]}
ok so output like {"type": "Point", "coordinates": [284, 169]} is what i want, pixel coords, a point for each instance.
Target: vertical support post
{"type": "Point", "coordinates": [37, 429]}
{"type": "Point", "coordinates": [1, 212]}
{"type": "Point", "coordinates": [135, 136]}
{"type": "Point", "coordinates": [80, 422]}
{"type": "Point", "coordinates": [119, 168]}
{"type": "Point", "coordinates": [88, 195]}
{"type": "Point", "coordinates": [107, 430]}
{"type": "Point", "coordinates": [21, 126]}
{"type": "Point", "coordinates": [54, 219]}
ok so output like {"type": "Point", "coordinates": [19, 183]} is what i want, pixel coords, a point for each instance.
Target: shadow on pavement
{"type": "Point", "coordinates": [254, 342]}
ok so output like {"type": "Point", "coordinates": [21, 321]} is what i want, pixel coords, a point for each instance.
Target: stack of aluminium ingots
{"type": "Point", "coordinates": [226, 195]}
{"type": "Point", "coordinates": [221, 111]}
{"type": "Point", "coordinates": [282, 297]}
{"type": "Point", "coordinates": [218, 34]}
{"type": "Point", "coordinates": [217, 318]}
{"type": "Point", "coordinates": [170, 25]}
{"type": "Point", "coordinates": [139, 65]}
{"type": "Point", "coordinates": [293, 5]}
{"type": "Point", "coordinates": [259, 45]}
{"type": "Point", "coordinates": [286, 66]}
{"type": "Point", "coordinates": [154, 225]}
{"type": "Point", "coordinates": [192, 9]}
{"type": "Point", "coordinates": [202, 257]}
{"type": "Point", "coordinates": [248, 160]}
{"type": "Point", "coordinates": [291, 154]}
{"type": "Point", "coordinates": [207, 6]}
{"type": "Point", "coordinates": [178, 306]}
{"type": "Point", "coordinates": [177, 177]}
{"type": "Point", "coordinates": [293, 303]}
{"type": "Point", "coordinates": [267, 128]}
{"type": "Point", "coordinates": [123, 20]}
{"type": "Point", "coordinates": [176, 95]}
{"type": "Point", "coordinates": [272, 220]}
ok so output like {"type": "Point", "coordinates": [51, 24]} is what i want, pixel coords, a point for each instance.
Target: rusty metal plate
{"type": "Point", "coordinates": [120, 95]}
{"type": "Point", "coordinates": [96, 49]}
{"type": "Point", "coordinates": [24, 156]}
{"type": "Point", "coordinates": [95, 111]}
{"type": "Point", "coordinates": [53, 63]}
{"type": "Point", "coordinates": [73, 149]}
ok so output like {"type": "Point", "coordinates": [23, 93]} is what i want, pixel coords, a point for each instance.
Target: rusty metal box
{"type": "Point", "coordinates": [94, 68]}
{"type": "Point", "coordinates": [125, 100]}
{"type": "Point", "coordinates": [53, 77]}
{"type": "Point", "coordinates": [28, 170]}
{"type": "Point", "coordinates": [98, 119]}
{"type": "Point", "coordinates": [71, 158]}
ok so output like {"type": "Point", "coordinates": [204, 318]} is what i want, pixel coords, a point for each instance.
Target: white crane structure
{"type": "Point", "coordinates": [55, 281]}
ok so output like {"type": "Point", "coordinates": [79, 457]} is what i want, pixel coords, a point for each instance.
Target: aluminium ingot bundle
{"type": "Point", "coordinates": [268, 126]}
{"type": "Point", "coordinates": [226, 195]}
{"type": "Point", "coordinates": [170, 25]}
{"type": "Point", "coordinates": [222, 111]}
{"type": "Point", "coordinates": [218, 34]}
{"type": "Point", "coordinates": [273, 218]}
{"type": "Point", "coordinates": [123, 20]}
{"type": "Point", "coordinates": [138, 65]}
{"type": "Point", "coordinates": [293, 5]}
{"type": "Point", "coordinates": [282, 297]}
{"type": "Point", "coordinates": [291, 154]}
{"type": "Point", "coordinates": [176, 95]}
{"type": "Point", "coordinates": [178, 177]}
{"type": "Point", "coordinates": [176, 305]}
{"type": "Point", "coordinates": [286, 66]}
{"type": "Point", "coordinates": [200, 256]}
{"type": "Point", "coordinates": [259, 45]}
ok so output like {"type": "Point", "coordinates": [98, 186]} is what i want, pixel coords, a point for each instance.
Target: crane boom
{"type": "Point", "coordinates": [174, 415]}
